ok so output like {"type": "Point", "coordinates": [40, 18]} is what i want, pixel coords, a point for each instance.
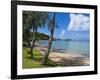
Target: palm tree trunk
{"type": "Point", "coordinates": [31, 49]}
{"type": "Point", "coordinates": [27, 38]}
{"type": "Point", "coordinates": [48, 51]}
{"type": "Point", "coordinates": [50, 41]}
{"type": "Point", "coordinates": [33, 43]}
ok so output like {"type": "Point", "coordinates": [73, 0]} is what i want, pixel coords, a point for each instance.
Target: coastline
{"type": "Point", "coordinates": [66, 59]}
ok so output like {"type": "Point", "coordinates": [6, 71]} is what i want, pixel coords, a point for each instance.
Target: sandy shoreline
{"type": "Point", "coordinates": [67, 59]}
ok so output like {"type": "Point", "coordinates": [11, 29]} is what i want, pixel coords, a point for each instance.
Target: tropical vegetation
{"type": "Point", "coordinates": [31, 22]}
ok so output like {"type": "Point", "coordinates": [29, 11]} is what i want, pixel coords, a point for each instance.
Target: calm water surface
{"type": "Point", "coordinates": [75, 47]}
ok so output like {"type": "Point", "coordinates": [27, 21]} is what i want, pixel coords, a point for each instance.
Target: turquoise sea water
{"type": "Point", "coordinates": [75, 47]}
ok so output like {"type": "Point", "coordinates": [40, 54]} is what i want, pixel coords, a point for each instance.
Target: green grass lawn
{"type": "Point", "coordinates": [36, 62]}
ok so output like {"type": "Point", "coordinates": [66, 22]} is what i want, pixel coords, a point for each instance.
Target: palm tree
{"type": "Point", "coordinates": [26, 27]}
{"type": "Point", "coordinates": [51, 25]}
{"type": "Point", "coordinates": [36, 20]}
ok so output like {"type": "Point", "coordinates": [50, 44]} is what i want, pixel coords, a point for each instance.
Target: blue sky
{"type": "Point", "coordinates": [70, 26]}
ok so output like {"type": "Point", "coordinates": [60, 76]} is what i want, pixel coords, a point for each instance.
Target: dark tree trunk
{"type": "Point", "coordinates": [31, 49]}
{"type": "Point", "coordinates": [48, 51]}
{"type": "Point", "coordinates": [50, 41]}
{"type": "Point", "coordinates": [27, 38]}
{"type": "Point", "coordinates": [33, 43]}
{"type": "Point", "coordinates": [28, 42]}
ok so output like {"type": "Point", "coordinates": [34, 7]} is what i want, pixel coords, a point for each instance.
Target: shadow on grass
{"type": "Point", "coordinates": [40, 59]}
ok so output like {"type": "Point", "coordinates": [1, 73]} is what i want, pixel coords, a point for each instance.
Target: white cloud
{"type": "Point", "coordinates": [62, 34]}
{"type": "Point", "coordinates": [78, 22]}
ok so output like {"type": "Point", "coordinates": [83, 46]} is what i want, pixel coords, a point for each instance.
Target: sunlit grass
{"type": "Point", "coordinates": [36, 62]}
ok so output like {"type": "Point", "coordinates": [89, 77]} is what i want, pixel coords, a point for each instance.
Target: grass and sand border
{"type": "Point", "coordinates": [55, 59]}
{"type": "Point", "coordinates": [27, 62]}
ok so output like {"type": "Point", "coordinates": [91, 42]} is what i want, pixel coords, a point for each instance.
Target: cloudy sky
{"type": "Point", "coordinates": [71, 26]}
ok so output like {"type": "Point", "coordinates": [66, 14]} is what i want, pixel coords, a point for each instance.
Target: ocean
{"type": "Point", "coordinates": [72, 46]}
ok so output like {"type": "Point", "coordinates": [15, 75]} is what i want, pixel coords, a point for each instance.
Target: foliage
{"type": "Point", "coordinates": [41, 36]}
{"type": "Point", "coordinates": [32, 20]}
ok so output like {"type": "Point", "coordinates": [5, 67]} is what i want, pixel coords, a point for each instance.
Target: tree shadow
{"type": "Point", "coordinates": [73, 62]}
{"type": "Point", "coordinates": [38, 58]}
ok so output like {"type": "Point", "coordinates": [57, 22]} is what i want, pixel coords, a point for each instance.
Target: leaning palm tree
{"type": "Point", "coordinates": [36, 20]}
{"type": "Point", "coordinates": [51, 26]}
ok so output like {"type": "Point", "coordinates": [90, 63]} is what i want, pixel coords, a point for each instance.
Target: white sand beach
{"type": "Point", "coordinates": [68, 59]}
